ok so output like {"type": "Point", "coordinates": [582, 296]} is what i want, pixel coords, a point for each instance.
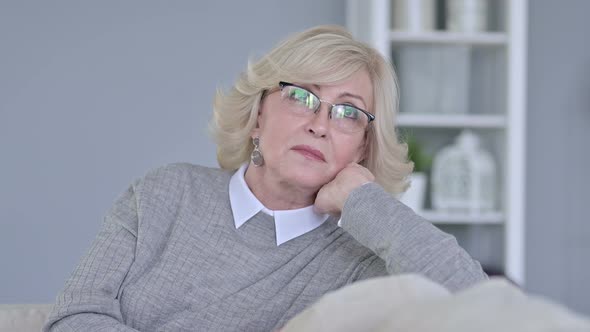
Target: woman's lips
{"type": "Point", "coordinates": [309, 152]}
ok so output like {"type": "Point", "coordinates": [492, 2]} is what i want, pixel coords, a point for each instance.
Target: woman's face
{"type": "Point", "coordinates": [308, 151]}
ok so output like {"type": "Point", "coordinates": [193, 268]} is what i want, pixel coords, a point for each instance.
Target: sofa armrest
{"type": "Point", "coordinates": [23, 317]}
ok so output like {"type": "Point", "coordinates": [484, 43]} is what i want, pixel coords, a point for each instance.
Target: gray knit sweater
{"type": "Point", "coordinates": [169, 258]}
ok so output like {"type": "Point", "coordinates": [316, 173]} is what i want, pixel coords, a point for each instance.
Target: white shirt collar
{"type": "Point", "coordinates": [289, 224]}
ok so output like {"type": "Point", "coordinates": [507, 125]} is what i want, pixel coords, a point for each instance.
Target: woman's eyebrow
{"type": "Point", "coordinates": [348, 94]}
{"type": "Point", "coordinates": [314, 88]}
{"type": "Point", "coordinates": [344, 94]}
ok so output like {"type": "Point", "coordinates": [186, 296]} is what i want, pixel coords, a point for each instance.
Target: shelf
{"type": "Point", "coordinates": [449, 38]}
{"type": "Point", "coordinates": [488, 218]}
{"type": "Point", "coordinates": [452, 121]}
{"type": "Point", "coordinates": [497, 62]}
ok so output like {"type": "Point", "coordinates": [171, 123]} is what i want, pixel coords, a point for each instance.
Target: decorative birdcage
{"type": "Point", "coordinates": [464, 177]}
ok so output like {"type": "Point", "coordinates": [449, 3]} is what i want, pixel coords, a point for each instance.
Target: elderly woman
{"type": "Point", "coordinates": [302, 206]}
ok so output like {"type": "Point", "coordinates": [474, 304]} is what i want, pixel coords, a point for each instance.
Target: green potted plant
{"type": "Point", "coordinates": [415, 195]}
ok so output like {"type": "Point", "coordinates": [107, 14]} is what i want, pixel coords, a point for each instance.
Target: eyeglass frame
{"type": "Point", "coordinates": [371, 117]}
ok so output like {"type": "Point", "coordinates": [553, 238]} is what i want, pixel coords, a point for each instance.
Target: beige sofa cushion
{"type": "Point", "coordinates": [365, 305]}
{"type": "Point", "coordinates": [494, 305]}
{"type": "Point", "coordinates": [23, 317]}
{"type": "Point", "coordinates": [415, 304]}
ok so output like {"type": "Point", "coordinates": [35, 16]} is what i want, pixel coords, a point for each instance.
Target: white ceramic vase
{"type": "Point", "coordinates": [414, 15]}
{"type": "Point", "coordinates": [467, 16]}
{"type": "Point", "coordinates": [414, 196]}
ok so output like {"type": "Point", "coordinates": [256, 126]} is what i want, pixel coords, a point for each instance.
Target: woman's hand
{"type": "Point", "coordinates": [332, 196]}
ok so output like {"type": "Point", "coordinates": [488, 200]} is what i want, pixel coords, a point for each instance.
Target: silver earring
{"type": "Point", "coordinates": [256, 156]}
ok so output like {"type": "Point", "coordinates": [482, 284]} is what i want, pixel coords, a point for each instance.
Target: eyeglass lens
{"type": "Point", "coordinates": [345, 117]}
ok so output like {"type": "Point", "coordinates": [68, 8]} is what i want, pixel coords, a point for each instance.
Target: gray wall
{"type": "Point", "coordinates": [95, 93]}
{"type": "Point", "coordinates": [558, 156]}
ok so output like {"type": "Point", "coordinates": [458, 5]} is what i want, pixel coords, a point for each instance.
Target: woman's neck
{"type": "Point", "coordinates": [275, 193]}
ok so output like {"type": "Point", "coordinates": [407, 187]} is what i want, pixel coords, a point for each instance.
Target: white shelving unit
{"type": "Point", "coordinates": [452, 121]}
{"type": "Point", "coordinates": [449, 38]}
{"type": "Point", "coordinates": [370, 21]}
{"type": "Point", "coordinates": [460, 218]}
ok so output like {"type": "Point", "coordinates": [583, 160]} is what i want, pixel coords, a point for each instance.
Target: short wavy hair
{"type": "Point", "coordinates": [320, 55]}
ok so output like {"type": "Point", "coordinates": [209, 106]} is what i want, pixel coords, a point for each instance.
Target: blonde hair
{"type": "Point", "coordinates": [320, 55]}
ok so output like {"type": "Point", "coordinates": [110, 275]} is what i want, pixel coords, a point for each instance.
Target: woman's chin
{"type": "Point", "coordinates": [310, 181]}
{"type": "Point", "coordinates": [305, 175]}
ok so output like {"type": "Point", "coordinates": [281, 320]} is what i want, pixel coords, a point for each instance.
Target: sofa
{"type": "Point", "coordinates": [415, 304]}
{"type": "Point", "coordinates": [23, 317]}
{"type": "Point", "coordinates": [396, 303]}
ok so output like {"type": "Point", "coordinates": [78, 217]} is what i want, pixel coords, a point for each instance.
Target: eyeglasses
{"type": "Point", "coordinates": [344, 117]}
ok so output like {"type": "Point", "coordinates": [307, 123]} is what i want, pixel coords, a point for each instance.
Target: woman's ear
{"type": "Point", "coordinates": [256, 130]}
{"type": "Point", "coordinates": [260, 117]}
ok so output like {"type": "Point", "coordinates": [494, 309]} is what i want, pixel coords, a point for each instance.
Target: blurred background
{"type": "Point", "coordinates": [95, 94]}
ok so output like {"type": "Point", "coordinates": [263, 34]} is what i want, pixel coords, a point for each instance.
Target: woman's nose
{"type": "Point", "coordinates": [319, 123]}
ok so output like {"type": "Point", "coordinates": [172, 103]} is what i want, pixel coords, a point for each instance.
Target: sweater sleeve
{"type": "Point", "coordinates": [406, 242]}
{"type": "Point", "coordinates": [89, 301]}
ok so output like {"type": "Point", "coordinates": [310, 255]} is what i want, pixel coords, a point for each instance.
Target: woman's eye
{"type": "Point", "coordinates": [295, 95]}
{"type": "Point", "coordinates": [302, 97]}
{"type": "Point", "coordinates": [349, 113]}
{"type": "Point", "coordinates": [299, 95]}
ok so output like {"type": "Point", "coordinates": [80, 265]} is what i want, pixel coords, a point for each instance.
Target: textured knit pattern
{"type": "Point", "coordinates": [169, 258]}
